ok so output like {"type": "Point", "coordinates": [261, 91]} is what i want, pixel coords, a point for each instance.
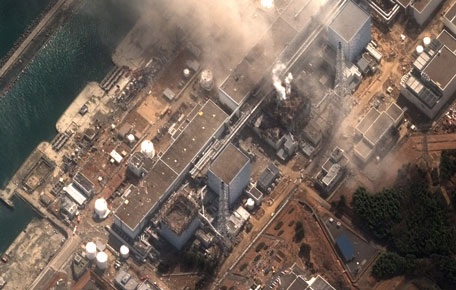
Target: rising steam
{"type": "Point", "coordinates": [282, 91]}
{"type": "Point", "coordinates": [267, 3]}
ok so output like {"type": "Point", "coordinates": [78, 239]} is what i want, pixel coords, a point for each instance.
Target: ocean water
{"type": "Point", "coordinates": [76, 54]}
{"type": "Point", "coordinates": [15, 16]}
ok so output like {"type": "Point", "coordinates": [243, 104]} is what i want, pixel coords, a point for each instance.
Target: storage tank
{"type": "Point", "coordinates": [130, 138]}
{"type": "Point", "coordinates": [147, 149]}
{"type": "Point", "coordinates": [426, 41]}
{"type": "Point", "coordinates": [91, 250]}
{"type": "Point", "coordinates": [186, 73]}
{"type": "Point", "coordinates": [124, 252]}
{"type": "Point", "coordinates": [250, 204]}
{"type": "Point", "coordinates": [102, 261]}
{"type": "Point", "coordinates": [101, 207]}
{"type": "Point", "coordinates": [419, 49]}
{"type": "Point", "coordinates": [207, 79]}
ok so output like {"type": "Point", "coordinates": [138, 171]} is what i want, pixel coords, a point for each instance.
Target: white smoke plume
{"type": "Point", "coordinates": [288, 81]}
{"type": "Point", "coordinates": [267, 3]}
{"type": "Point", "coordinates": [277, 70]}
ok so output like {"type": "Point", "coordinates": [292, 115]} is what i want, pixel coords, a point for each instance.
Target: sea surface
{"type": "Point", "coordinates": [79, 52]}
{"type": "Point", "coordinates": [15, 17]}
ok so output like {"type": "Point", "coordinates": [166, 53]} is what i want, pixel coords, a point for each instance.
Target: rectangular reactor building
{"type": "Point", "coordinates": [351, 28]}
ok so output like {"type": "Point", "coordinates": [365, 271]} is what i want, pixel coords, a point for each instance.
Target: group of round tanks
{"type": "Point", "coordinates": [100, 257]}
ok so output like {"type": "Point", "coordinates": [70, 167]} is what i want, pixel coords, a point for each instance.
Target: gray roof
{"type": "Point", "coordinates": [199, 131]}
{"type": "Point", "coordinates": [367, 121]}
{"type": "Point", "coordinates": [442, 68]}
{"type": "Point", "coordinates": [140, 202]}
{"type": "Point", "coordinates": [320, 284]}
{"type": "Point", "coordinates": [298, 284]}
{"type": "Point", "coordinates": [379, 128]}
{"type": "Point", "coordinates": [349, 21]}
{"type": "Point", "coordinates": [124, 281]}
{"type": "Point", "coordinates": [229, 163]}
{"type": "Point", "coordinates": [447, 39]}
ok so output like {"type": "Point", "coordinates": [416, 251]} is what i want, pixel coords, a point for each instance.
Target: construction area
{"type": "Point", "coordinates": [179, 171]}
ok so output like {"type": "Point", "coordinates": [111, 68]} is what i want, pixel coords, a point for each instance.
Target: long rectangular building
{"type": "Point", "coordinates": [169, 171]}
{"type": "Point", "coordinates": [237, 86]}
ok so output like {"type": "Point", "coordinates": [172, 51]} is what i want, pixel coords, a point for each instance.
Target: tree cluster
{"type": "Point", "coordinates": [447, 164]}
{"type": "Point", "coordinates": [415, 224]}
{"type": "Point", "coordinates": [194, 259]}
{"type": "Point", "coordinates": [299, 232]}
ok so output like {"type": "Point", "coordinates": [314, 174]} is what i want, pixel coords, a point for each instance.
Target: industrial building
{"type": "Point", "coordinates": [449, 19]}
{"type": "Point", "coordinates": [374, 128]}
{"type": "Point", "coordinates": [237, 220]}
{"type": "Point", "coordinates": [431, 83]}
{"type": "Point", "coordinates": [179, 220]}
{"type": "Point", "coordinates": [83, 184]}
{"type": "Point", "coordinates": [267, 178]}
{"type": "Point", "coordinates": [237, 86]}
{"type": "Point", "coordinates": [420, 10]}
{"type": "Point", "coordinates": [206, 124]}
{"type": "Point", "coordinates": [448, 40]}
{"type": "Point", "coordinates": [231, 168]}
{"type": "Point", "coordinates": [125, 281]}
{"type": "Point", "coordinates": [235, 89]}
{"type": "Point", "coordinates": [315, 283]}
{"type": "Point", "coordinates": [332, 171]}
{"type": "Point", "coordinates": [352, 28]}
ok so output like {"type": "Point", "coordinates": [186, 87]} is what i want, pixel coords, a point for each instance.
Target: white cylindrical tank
{"type": "Point", "coordinates": [419, 49]}
{"type": "Point", "coordinates": [101, 207]}
{"type": "Point", "coordinates": [250, 204]}
{"type": "Point", "coordinates": [131, 138]}
{"type": "Point", "coordinates": [207, 79]}
{"type": "Point", "coordinates": [426, 41]}
{"type": "Point", "coordinates": [91, 250]}
{"type": "Point", "coordinates": [102, 260]}
{"type": "Point", "coordinates": [186, 73]}
{"type": "Point", "coordinates": [147, 149]}
{"type": "Point", "coordinates": [124, 251]}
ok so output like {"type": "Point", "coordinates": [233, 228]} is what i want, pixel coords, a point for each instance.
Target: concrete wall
{"type": "Point", "coordinates": [227, 100]}
{"type": "Point", "coordinates": [430, 113]}
{"type": "Point", "coordinates": [237, 185]}
{"type": "Point", "coordinates": [179, 241]}
{"type": "Point", "coordinates": [131, 233]}
{"type": "Point", "coordinates": [450, 25]}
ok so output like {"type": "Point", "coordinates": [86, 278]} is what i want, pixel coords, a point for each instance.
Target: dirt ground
{"type": "Point", "coordinates": [276, 251]}
{"type": "Point", "coordinates": [30, 253]}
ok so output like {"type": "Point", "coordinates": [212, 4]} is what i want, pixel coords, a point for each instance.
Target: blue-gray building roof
{"type": "Point", "coordinates": [345, 247]}
{"type": "Point", "coordinates": [349, 21]}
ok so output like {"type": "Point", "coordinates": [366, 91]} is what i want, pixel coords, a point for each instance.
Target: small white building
{"type": "Point", "coordinates": [232, 168]}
